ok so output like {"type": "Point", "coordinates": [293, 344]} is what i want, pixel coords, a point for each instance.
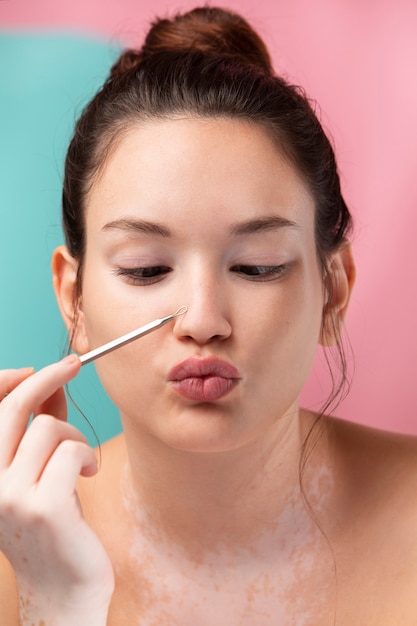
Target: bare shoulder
{"type": "Point", "coordinates": [373, 522]}
{"type": "Point", "coordinates": [380, 466]}
{"type": "Point", "coordinates": [364, 440]}
{"type": "Point", "coordinates": [9, 601]}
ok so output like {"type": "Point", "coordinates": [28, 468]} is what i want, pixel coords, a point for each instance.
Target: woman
{"type": "Point", "coordinates": [198, 178]}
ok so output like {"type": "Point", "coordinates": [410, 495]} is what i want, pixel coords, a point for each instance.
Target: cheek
{"type": "Point", "coordinates": [285, 335]}
{"type": "Point", "coordinates": [132, 376]}
{"type": "Point", "coordinates": [113, 308]}
{"type": "Point", "coordinates": [106, 314]}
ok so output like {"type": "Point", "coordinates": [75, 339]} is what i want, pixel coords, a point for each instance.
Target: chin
{"type": "Point", "coordinates": [206, 430]}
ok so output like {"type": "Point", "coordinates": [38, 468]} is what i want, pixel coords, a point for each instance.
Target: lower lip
{"type": "Point", "coordinates": [204, 388]}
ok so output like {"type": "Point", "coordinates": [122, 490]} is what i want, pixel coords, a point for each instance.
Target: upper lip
{"type": "Point", "coordinates": [198, 367]}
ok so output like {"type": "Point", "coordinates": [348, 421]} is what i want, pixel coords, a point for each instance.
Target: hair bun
{"type": "Point", "coordinates": [209, 30]}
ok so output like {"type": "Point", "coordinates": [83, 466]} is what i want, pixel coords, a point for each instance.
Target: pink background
{"type": "Point", "coordinates": [358, 60]}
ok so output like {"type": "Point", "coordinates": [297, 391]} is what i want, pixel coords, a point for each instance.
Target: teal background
{"type": "Point", "coordinates": [45, 80]}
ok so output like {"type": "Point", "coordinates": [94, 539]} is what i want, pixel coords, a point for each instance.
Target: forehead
{"type": "Point", "coordinates": [173, 167]}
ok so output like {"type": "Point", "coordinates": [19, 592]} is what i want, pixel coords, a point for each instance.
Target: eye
{"type": "Point", "coordinates": [260, 272]}
{"type": "Point", "coordinates": [143, 275]}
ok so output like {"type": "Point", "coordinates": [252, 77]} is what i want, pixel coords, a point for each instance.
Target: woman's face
{"type": "Point", "coordinates": [206, 214]}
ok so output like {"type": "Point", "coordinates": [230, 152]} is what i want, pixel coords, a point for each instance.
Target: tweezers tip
{"type": "Point", "coordinates": [180, 311]}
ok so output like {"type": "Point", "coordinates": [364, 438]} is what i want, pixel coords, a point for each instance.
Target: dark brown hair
{"type": "Point", "coordinates": [205, 63]}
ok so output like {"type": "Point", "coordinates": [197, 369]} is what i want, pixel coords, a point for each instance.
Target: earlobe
{"type": "Point", "coordinates": [65, 276]}
{"type": "Point", "coordinates": [341, 274]}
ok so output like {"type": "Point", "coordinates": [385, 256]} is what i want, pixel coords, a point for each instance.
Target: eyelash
{"type": "Point", "coordinates": [143, 275]}
{"type": "Point", "coordinates": [261, 273]}
{"type": "Point", "coordinates": [153, 274]}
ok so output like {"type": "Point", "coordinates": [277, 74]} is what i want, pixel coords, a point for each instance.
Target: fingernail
{"type": "Point", "coordinates": [70, 359]}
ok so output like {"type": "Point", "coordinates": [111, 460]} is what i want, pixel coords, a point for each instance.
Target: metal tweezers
{"type": "Point", "coordinates": [124, 339]}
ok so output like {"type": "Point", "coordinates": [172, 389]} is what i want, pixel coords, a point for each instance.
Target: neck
{"type": "Point", "coordinates": [216, 498]}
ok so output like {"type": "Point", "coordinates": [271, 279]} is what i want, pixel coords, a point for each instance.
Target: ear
{"type": "Point", "coordinates": [340, 279]}
{"type": "Point", "coordinates": [64, 272]}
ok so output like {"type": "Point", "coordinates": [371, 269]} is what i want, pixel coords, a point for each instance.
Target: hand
{"type": "Point", "coordinates": [63, 572]}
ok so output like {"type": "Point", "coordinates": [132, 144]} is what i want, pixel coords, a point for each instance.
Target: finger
{"type": "Point", "coordinates": [9, 379]}
{"type": "Point", "coordinates": [55, 405]}
{"type": "Point", "coordinates": [16, 408]}
{"type": "Point", "coordinates": [36, 448]}
{"type": "Point", "coordinates": [69, 460]}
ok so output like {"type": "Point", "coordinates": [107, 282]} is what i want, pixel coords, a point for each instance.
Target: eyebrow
{"type": "Point", "coordinates": [138, 226]}
{"type": "Point", "coordinates": [267, 223]}
{"type": "Point", "coordinates": [261, 224]}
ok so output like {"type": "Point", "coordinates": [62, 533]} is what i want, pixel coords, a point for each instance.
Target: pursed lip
{"type": "Point", "coordinates": [203, 379]}
{"type": "Point", "coordinates": [202, 366]}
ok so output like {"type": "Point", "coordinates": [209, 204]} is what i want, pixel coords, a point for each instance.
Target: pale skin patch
{"type": "Point", "coordinates": [265, 582]}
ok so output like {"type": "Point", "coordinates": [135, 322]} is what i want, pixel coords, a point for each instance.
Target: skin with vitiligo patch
{"type": "Point", "coordinates": [221, 584]}
{"type": "Point", "coordinates": [167, 577]}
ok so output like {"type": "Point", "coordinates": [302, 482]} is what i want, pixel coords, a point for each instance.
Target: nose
{"type": "Point", "coordinates": [206, 319]}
